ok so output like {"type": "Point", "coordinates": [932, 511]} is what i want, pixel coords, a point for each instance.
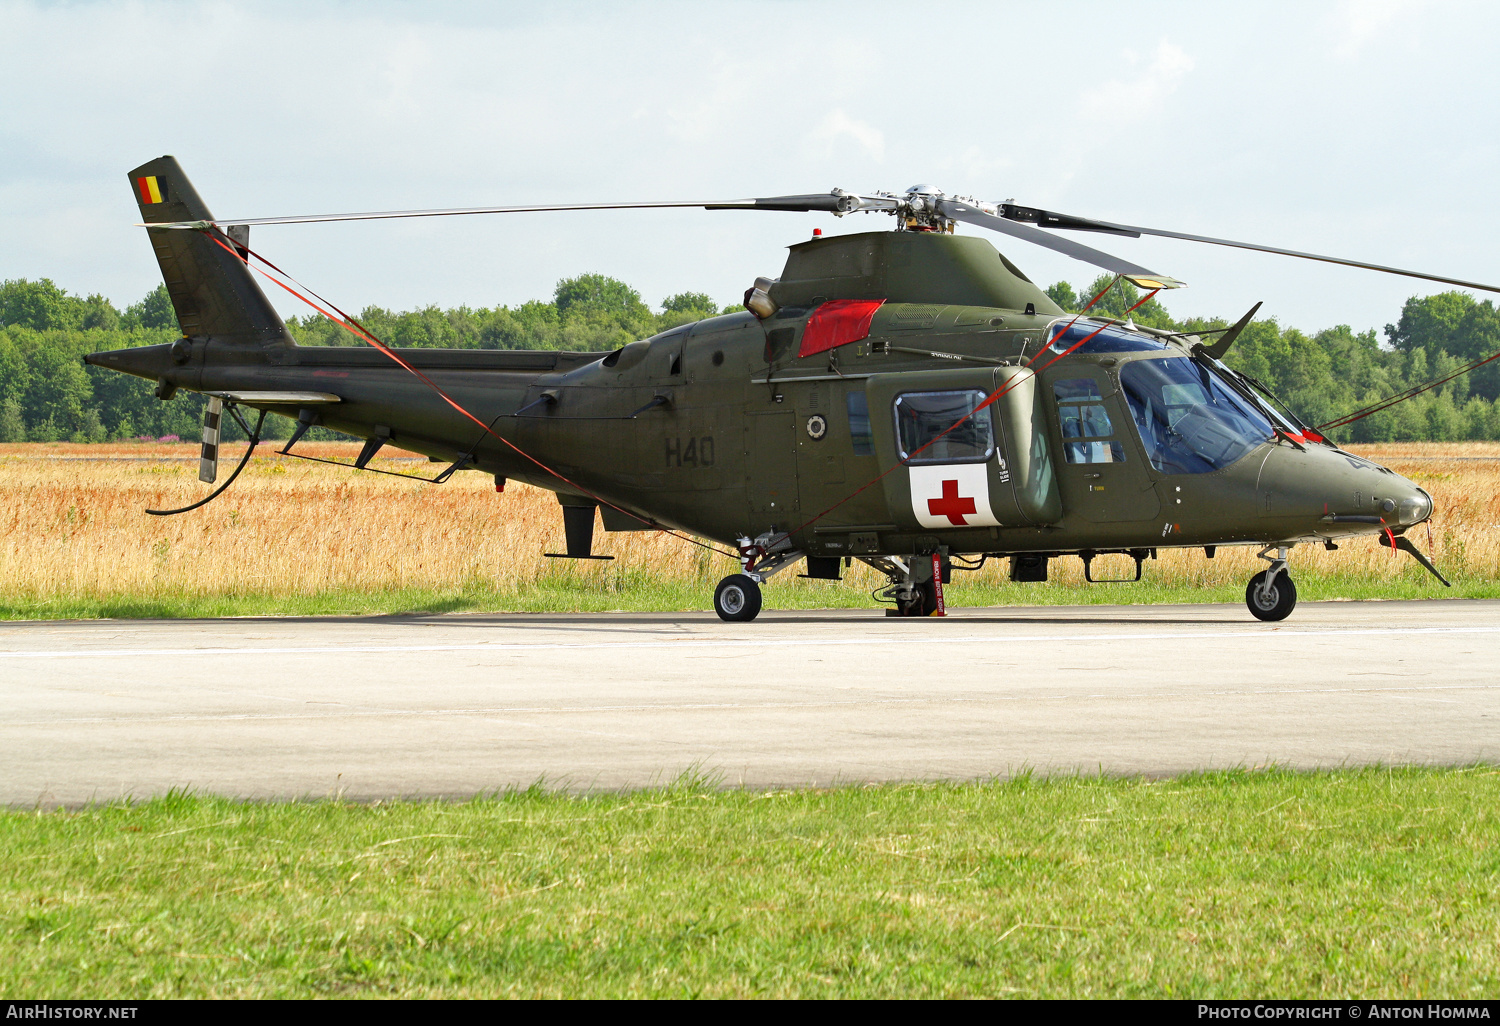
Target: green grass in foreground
{"type": "Point", "coordinates": [637, 592]}
{"type": "Point", "coordinates": [1370, 883]}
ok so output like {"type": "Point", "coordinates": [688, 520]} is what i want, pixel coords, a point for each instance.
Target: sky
{"type": "Point", "coordinates": [1360, 129]}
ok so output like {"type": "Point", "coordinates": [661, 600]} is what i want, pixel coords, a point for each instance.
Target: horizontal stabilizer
{"type": "Point", "coordinates": [277, 398]}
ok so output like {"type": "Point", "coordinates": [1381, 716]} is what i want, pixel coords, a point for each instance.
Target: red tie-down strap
{"type": "Point", "coordinates": [837, 323]}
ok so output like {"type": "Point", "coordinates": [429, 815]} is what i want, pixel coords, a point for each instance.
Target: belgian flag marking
{"type": "Point", "coordinates": [151, 191]}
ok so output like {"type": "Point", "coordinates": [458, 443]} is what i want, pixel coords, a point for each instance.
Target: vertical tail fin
{"type": "Point", "coordinates": [212, 289]}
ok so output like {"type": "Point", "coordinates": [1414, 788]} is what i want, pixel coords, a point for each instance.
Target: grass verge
{"type": "Point", "coordinates": [1367, 883]}
{"type": "Point", "coordinates": [571, 595]}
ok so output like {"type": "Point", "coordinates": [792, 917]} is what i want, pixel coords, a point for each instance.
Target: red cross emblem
{"type": "Point", "coordinates": [951, 506]}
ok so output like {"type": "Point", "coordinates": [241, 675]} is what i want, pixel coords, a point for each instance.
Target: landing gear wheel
{"type": "Point", "coordinates": [923, 602]}
{"type": "Point", "coordinates": [737, 599]}
{"type": "Point", "coordinates": [1273, 603]}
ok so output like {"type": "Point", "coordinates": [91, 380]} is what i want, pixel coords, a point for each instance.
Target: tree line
{"type": "Point", "coordinates": [48, 394]}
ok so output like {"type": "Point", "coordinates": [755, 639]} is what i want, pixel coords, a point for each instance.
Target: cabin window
{"type": "Point", "coordinates": [859, 424]}
{"type": "Point", "coordinates": [1088, 435]}
{"type": "Point", "coordinates": [944, 427]}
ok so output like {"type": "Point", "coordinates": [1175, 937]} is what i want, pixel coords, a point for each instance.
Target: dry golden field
{"type": "Point", "coordinates": [75, 539]}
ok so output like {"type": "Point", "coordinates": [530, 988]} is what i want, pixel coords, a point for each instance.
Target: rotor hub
{"type": "Point", "coordinates": [918, 209]}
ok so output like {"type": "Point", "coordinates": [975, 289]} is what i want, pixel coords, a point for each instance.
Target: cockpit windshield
{"type": "Point", "coordinates": [1287, 420]}
{"type": "Point", "coordinates": [1189, 420]}
{"type": "Point", "coordinates": [1112, 339]}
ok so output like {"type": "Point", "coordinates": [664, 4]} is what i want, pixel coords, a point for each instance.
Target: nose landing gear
{"type": "Point", "coordinates": [1271, 594]}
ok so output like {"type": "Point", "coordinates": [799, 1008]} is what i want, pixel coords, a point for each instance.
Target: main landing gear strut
{"type": "Point", "coordinates": [912, 588]}
{"type": "Point", "coordinates": [1271, 595]}
{"type": "Point", "coordinates": [737, 598]}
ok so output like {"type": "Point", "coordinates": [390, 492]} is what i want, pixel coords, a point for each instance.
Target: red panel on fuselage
{"type": "Point", "coordinates": [837, 323]}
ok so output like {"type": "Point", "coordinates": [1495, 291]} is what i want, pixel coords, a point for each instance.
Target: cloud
{"type": "Point", "coordinates": [976, 169]}
{"type": "Point", "coordinates": [1359, 21]}
{"type": "Point", "coordinates": [839, 125]}
{"type": "Point", "coordinates": [332, 105]}
{"type": "Point", "coordinates": [1144, 93]}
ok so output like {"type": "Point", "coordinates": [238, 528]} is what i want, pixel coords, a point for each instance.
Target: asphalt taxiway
{"type": "Point", "coordinates": [453, 705]}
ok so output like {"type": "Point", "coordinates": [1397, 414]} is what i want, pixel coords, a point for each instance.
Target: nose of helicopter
{"type": "Point", "coordinates": [1400, 503]}
{"type": "Point", "coordinates": [1397, 501]}
{"type": "Point", "coordinates": [1411, 507]}
{"type": "Point", "coordinates": [1342, 489]}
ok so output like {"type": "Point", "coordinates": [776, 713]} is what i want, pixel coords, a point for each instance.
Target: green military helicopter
{"type": "Point", "coordinates": [909, 399]}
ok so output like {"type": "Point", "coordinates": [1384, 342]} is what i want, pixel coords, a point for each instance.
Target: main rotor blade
{"type": "Point", "coordinates": [816, 202]}
{"type": "Point", "coordinates": [826, 202]}
{"type": "Point", "coordinates": [1134, 272]}
{"type": "Point", "coordinates": [1052, 219]}
{"type": "Point", "coordinates": [1055, 220]}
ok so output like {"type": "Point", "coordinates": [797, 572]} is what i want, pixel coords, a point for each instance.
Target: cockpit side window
{"type": "Point", "coordinates": [1189, 421]}
{"type": "Point", "coordinates": [1088, 435]}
